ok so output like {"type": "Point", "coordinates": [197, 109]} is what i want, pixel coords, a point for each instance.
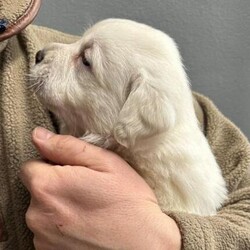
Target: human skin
{"type": "Point", "coordinates": [90, 198]}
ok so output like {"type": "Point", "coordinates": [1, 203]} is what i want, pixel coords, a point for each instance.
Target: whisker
{"type": "Point", "coordinates": [32, 85]}
{"type": "Point", "coordinates": [38, 87]}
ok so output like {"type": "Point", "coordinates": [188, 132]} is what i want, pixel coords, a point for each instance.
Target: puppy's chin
{"type": "Point", "coordinates": [39, 85]}
{"type": "Point", "coordinates": [72, 120]}
{"type": "Point", "coordinates": [49, 102]}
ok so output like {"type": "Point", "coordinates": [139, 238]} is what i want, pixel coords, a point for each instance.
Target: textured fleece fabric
{"type": "Point", "coordinates": [20, 113]}
{"type": "Point", "coordinates": [12, 10]}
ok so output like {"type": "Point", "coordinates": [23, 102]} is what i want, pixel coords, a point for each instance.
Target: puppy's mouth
{"type": "Point", "coordinates": [43, 86]}
{"type": "Point", "coordinates": [37, 83]}
{"type": "Point", "coordinates": [39, 86]}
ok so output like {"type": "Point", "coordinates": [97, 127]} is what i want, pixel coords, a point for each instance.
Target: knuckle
{"type": "Point", "coordinates": [31, 220]}
{"type": "Point", "coordinates": [62, 142]}
{"type": "Point", "coordinates": [26, 167]}
{"type": "Point", "coordinates": [27, 173]}
{"type": "Point", "coordinates": [39, 190]}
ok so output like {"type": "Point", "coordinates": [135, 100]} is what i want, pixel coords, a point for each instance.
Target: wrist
{"type": "Point", "coordinates": [169, 236]}
{"type": "Point", "coordinates": [172, 233]}
{"type": "Point", "coordinates": [160, 232]}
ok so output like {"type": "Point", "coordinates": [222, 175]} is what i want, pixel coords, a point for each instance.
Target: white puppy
{"type": "Point", "coordinates": [123, 86]}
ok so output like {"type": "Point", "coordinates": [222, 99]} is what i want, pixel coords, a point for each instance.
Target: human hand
{"type": "Point", "coordinates": [91, 199]}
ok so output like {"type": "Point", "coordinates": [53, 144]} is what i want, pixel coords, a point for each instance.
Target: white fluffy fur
{"type": "Point", "coordinates": [135, 99]}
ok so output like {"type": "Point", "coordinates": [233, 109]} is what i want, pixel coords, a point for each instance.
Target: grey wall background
{"type": "Point", "coordinates": [213, 36]}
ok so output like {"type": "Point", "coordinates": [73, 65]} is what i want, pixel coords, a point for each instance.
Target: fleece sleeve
{"type": "Point", "coordinates": [229, 229]}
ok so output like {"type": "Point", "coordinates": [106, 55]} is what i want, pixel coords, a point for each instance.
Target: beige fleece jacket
{"type": "Point", "coordinates": [20, 113]}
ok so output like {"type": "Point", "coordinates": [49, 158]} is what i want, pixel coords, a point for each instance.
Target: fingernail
{"type": "Point", "coordinates": [42, 134]}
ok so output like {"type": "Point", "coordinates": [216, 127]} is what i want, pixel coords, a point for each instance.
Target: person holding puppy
{"type": "Point", "coordinates": [86, 197]}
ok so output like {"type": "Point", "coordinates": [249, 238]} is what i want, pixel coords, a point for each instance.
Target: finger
{"type": "Point", "coordinates": [32, 172]}
{"type": "Point", "coordinates": [45, 182]}
{"type": "Point", "coordinates": [68, 150]}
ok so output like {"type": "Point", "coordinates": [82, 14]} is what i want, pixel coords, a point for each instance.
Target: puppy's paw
{"type": "Point", "coordinates": [98, 140]}
{"type": "Point", "coordinates": [121, 134]}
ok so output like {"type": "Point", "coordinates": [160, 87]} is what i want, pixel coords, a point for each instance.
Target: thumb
{"type": "Point", "coordinates": [68, 150]}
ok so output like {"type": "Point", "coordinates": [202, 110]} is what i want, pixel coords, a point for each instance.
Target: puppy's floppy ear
{"type": "Point", "coordinates": [146, 112]}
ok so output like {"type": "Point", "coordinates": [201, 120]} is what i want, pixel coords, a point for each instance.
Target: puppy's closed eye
{"type": "Point", "coordinates": [85, 61]}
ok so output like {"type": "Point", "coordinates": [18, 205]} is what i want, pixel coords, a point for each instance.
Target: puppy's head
{"type": "Point", "coordinates": [121, 78]}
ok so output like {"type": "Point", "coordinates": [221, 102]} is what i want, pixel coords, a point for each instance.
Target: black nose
{"type": "Point", "coordinates": [39, 56]}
